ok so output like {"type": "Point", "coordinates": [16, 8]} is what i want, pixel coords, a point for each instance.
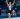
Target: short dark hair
{"type": "Point", "coordinates": [11, 1]}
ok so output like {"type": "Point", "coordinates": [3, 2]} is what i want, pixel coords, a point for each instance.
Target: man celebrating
{"type": "Point", "coordinates": [9, 6]}
{"type": "Point", "coordinates": [9, 10]}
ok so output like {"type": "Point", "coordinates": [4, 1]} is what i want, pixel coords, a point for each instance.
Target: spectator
{"type": "Point", "coordinates": [0, 11]}
{"type": "Point", "coordinates": [14, 13]}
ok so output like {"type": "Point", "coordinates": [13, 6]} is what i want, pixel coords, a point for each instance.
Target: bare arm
{"type": "Point", "coordinates": [13, 2]}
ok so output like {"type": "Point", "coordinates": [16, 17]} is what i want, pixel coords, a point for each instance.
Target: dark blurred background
{"type": "Point", "coordinates": [4, 9]}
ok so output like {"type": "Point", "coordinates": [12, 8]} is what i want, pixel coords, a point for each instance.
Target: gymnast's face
{"type": "Point", "coordinates": [9, 3]}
